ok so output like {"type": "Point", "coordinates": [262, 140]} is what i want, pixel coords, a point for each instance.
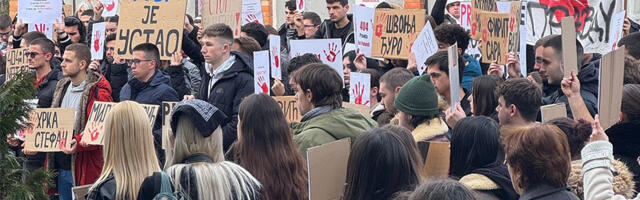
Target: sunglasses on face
{"type": "Point", "coordinates": [136, 61]}
{"type": "Point", "coordinates": [33, 54]}
{"type": "Point", "coordinates": [5, 33]}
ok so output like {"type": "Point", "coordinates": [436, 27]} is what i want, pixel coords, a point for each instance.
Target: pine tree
{"type": "Point", "coordinates": [13, 112]}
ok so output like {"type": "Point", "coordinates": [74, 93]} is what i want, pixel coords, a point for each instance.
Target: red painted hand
{"type": "Point", "coordinates": [251, 18]}
{"type": "Point", "coordinates": [94, 130]}
{"type": "Point", "coordinates": [262, 84]}
{"type": "Point", "coordinates": [111, 6]}
{"type": "Point", "coordinates": [358, 92]}
{"type": "Point", "coordinates": [333, 52]}
{"type": "Point", "coordinates": [96, 42]}
{"type": "Point", "coordinates": [276, 59]}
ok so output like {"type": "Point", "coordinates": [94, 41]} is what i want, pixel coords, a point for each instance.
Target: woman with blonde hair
{"type": "Point", "coordinates": [129, 154]}
{"type": "Point", "coordinates": [196, 162]}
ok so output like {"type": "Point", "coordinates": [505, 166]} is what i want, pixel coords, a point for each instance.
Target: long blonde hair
{"type": "Point", "coordinates": [128, 149]}
{"type": "Point", "coordinates": [217, 180]}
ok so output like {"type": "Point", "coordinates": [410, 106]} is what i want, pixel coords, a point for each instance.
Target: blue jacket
{"type": "Point", "coordinates": [227, 93]}
{"type": "Point", "coordinates": [471, 70]}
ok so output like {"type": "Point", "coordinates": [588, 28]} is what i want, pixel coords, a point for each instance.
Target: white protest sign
{"type": "Point", "coordinates": [454, 79]}
{"type": "Point", "coordinates": [110, 8]}
{"type": "Point", "coordinates": [363, 27]}
{"type": "Point", "coordinates": [503, 6]}
{"type": "Point", "coordinates": [41, 11]}
{"type": "Point", "coordinates": [349, 47]}
{"type": "Point", "coordinates": [360, 88]}
{"type": "Point", "coordinates": [374, 3]}
{"type": "Point", "coordinates": [261, 72]}
{"type": "Point", "coordinates": [424, 47]}
{"type": "Point", "coordinates": [617, 23]}
{"type": "Point", "coordinates": [327, 50]}
{"type": "Point", "coordinates": [46, 28]}
{"type": "Point", "coordinates": [465, 14]}
{"type": "Point", "coordinates": [301, 6]}
{"type": "Point", "coordinates": [251, 12]}
{"type": "Point", "coordinates": [97, 43]}
{"type": "Point", "coordinates": [274, 52]}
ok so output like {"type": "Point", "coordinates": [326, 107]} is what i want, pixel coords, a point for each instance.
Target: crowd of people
{"type": "Point", "coordinates": [228, 143]}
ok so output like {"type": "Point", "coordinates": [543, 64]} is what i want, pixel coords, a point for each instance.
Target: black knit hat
{"type": "Point", "coordinates": [204, 116]}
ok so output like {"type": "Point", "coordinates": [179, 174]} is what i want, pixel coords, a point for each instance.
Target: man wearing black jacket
{"type": "Point", "coordinates": [228, 77]}
{"type": "Point", "coordinates": [114, 70]}
{"type": "Point", "coordinates": [340, 25]}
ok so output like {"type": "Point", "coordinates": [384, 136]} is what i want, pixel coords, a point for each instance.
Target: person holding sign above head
{"type": "Point", "coordinates": [228, 77]}
{"type": "Point", "coordinates": [129, 157]}
{"type": "Point", "coordinates": [71, 31]}
{"type": "Point", "coordinates": [149, 86]}
{"type": "Point", "coordinates": [338, 26]}
{"type": "Point", "coordinates": [196, 162]}
{"type": "Point", "coordinates": [79, 89]}
{"type": "Point", "coordinates": [418, 110]}
{"type": "Point", "coordinates": [438, 69]}
{"type": "Point", "coordinates": [519, 102]}
{"type": "Point", "coordinates": [318, 97]}
{"type": "Point", "coordinates": [449, 34]}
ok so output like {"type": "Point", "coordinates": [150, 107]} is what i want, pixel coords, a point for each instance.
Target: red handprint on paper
{"type": "Point", "coordinates": [111, 6]}
{"type": "Point", "coordinates": [263, 85]}
{"type": "Point", "coordinates": [333, 52]}
{"type": "Point", "coordinates": [251, 18]}
{"type": "Point", "coordinates": [484, 35]}
{"type": "Point", "coordinates": [358, 92]}
{"type": "Point", "coordinates": [63, 141]}
{"type": "Point", "coordinates": [276, 59]}
{"type": "Point", "coordinates": [301, 5]}
{"type": "Point", "coordinates": [94, 129]}
{"type": "Point", "coordinates": [381, 20]}
{"type": "Point", "coordinates": [96, 42]}
{"type": "Point", "coordinates": [512, 22]}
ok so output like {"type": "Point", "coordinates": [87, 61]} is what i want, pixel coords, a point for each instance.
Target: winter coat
{"type": "Point", "coordinates": [493, 181]}
{"type": "Point", "coordinates": [44, 91]}
{"type": "Point", "coordinates": [543, 191]}
{"type": "Point", "coordinates": [86, 163]}
{"type": "Point", "coordinates": [599, 182]}
{"type": "Point", "coordinates": [588, 77]}
{"type": "Point", "coordinates": [106, 190]}
{"type": "Point", "coordinates": [622, 181]}
{"type": "Point", "coordinates": [192, 77]}
{"type": "Point", "coordinates": [328, 127]}
{"type": "Point", "coordinates": [286, 34]}
{"type": "Point", "coordinates": [434, 130]}
{"type": "Point", "coordinates": [471, 71]}
{"type": "Point", "coordinates": [625, 139]}
{"type": "Point", "coordinates": [117, 76]}
{"type": "Point", "coordinates": [227, 93]}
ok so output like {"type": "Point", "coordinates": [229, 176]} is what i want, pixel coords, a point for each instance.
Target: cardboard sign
{"type": "Point", "coordinates": [616, 29]}
{"type": "Point", "coordinates": [42, 11]}
{"type": "Point", "coordinates": [17, 61]}
{"type": "Point", "coordinates": [110, 8]}
{"type": "Point", "coordinates": [436, 157]}
{"type": "Point", "coordinates": [328, 169]}
{"type": "Point", "coordinates": [261, 72]}
{"type": "Point", "coordinates": [97, 45]}
{"type": "Point", "coordinates": [46, 28]}
{"type": "Point", "coordinates": [610, 87]}
{"type": "Point", "coordinates": [156, 22]}
{"type": "Point", "coordinates": [289, 108]}
{"type": "Point", "coordinates": [67, 10]}
{"type": "Point", "coordinates": [593, 20]}
{"type": "Point", "coordinates": [363, 29]}
{"type": "Point", "coordinates": [424, 47]}
{"type": "Point", "coordinates": [251, 12]}
{"type": "Point", "coordinates": [222, 11]}
{"type": "Point", "coordinates": [362, 109]}
{"type": "Point", "coordinates": [94, 130]}
{"type": "Point", "coordinates": [499, 36]}
{"type": "Point", "coordinates": [301, 5]}
{"type": "Point", "coordinates": [360, 88]}
{"type": "Point", "coordinates": [13, 8]}
{"type": "Point", "coordinates": [80, 191]}
{"type": "Point", "coordinates": [395, 30]}
{"type": "Point", "coordinates": [51, 130]}
{"type": "Point", "coordinates": [478, 7]}
{"type": "Point", "coordinates": [454, 79]}
{"type": "Point", "coordinates": [167, 108]}
{"type": "Point", "coordinates": [274, 56]}
{"type": "Point", "coordinates": [569, 57]}
{"type": "Point", "coordinates": [553, 111]}
{"type": "Point", "coordinates": [327, 50]}
{"type": "Point", "coordinates": [374, 3]}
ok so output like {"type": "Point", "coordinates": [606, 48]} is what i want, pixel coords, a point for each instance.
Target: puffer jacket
{"type": "Point", "coordinates": [597, 172]}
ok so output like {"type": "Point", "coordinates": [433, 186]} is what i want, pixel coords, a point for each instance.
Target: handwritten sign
{"type": "Point", "coordinates": [274, 56]}
{"type": "Point", "coordinates": [261, 72]}
{"type": "Point", "coordinates": [454, 79]}
{"type": "Point", "coordinates": [394, 32]}
{"type": "Point", "coordinates": [94, 131]}
{"type": "Point", "coordinates": [610, 87]}
{"type": "Point", "coordinates": [617, 23]}
{"type": "Point", "coordinates": [110, 8]}
{"type": "Point", "coordinates": [167, 109]}
{"type": "Point", "coordinates": [327, 165]}
{"type": "Point", "coordinates": [17, 61]}
{"type": "Point", "coordinates": [156, 22]}
{"type": "Point", "coordinates": [478, 7]}
{"type": "Point", "coordinates": [498, 29]}
{"type": "Point", "coordinates": [51, 130]}
{"type": "Point", "coordinates": [46, 28]}
{"type": "Point", "coordinates": [553, 111]}
{"type": "Point", "coordinates": [363, 29]}
{"type": "Point", "coordinates": [327, 50]}
{"type": "Point", "coordinates": [251, 12]}
{"type": "Point", "coordinates": [360, 88]}
{"type": "Point", "coordinates": [222, 11]}
{"type": "Point", "coordinates": [97, 45]}
{"type": "Point", "coordinates": [465, 15]}
{"type": "Point", "coordinates": [289, 108]}
{"type": "Point", "coordinates": [42, 11]}
{"type": "Point", "coordinates": [424, 47]}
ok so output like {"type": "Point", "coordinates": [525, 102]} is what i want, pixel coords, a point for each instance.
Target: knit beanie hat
{"type": "Point", "coordinates": [418, 97]}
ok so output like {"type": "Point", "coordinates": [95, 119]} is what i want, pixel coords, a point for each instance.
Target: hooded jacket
{"type": "Point", "coordinates": [588, 77]}
{"type": "Point", "coordinates": [86, 163]}
{"type": "Point", "coordinates": [328, 127]}
{"type": "Point", "coordinates": [625, 139]}
{"type": "Point", "coordinates": [227, 93]}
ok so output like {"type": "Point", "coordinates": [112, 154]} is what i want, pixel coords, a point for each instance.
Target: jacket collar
{"type": "Point", "coordinates": [540, 190]}
{"type": "Point", "coordinates": [430, 129]}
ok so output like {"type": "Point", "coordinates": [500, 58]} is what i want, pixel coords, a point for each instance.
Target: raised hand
{"type": "Point", "coordinates": [597, 133]}
{"type": "Point", "coordinates": [98, 9]}
{"type": "Point", "coordinates": [19, 28]}
{"type": "Point", "coordinates": [495, 69]}
{"type": "Point", "coordinates": [513, 65]}
{"type": "Point", "coordinates": [571, 85]}
{"type": "Point", "coordinates": [360, 61]}
{"type": "Point", "coordinates": [263, 85]}
{"type": "Point", "coordinates": [333, 51]}
{"type": "Point", "coordinates": [452, 117]}
{"type": "Point", "coordinates": [176, 59]}
{"type": "Point", "coordinates": [95, 65]}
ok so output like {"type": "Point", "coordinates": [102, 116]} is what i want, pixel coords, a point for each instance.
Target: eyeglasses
{"type": "Point", "coordinates": [33, 54]}
{"type": "Point", "coordinates": [6, 33]}
{"type": "Point", "coordinates": [309, 26]}
{"type": "Point", "coordinates": [136, 61]}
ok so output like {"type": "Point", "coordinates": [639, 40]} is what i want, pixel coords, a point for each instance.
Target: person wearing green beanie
{"type": "Point", "coordinates": [417, 105]}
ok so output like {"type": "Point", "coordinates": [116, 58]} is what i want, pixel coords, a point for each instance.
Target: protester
{"type": "Point", "coordinates": [113, 69]}
{"type": "Point", "coordinates": [418, 110]}
{"type": "Point", "coordinates": [245, 45]}
{"type": "Point", "coordinates": [149, 86]}
{"type": "Point", "coordinates": [317, 93]}
{"type": "Point", "coordinates": [288, 30]}
{"type": "Point", "coordinates": [129, 156]}
{"type": "Point", "coordinates": [71, 31]}
{"type": "Point", "coordinates": [310, 21]}
{"type": "Point", "coordinates": [380, 165]}
{"type": "Point", "coordinates": [519, 102]}
{"type": "Point", "coordinates": [545, 145]}
{"type": "Point", "coordinates": [79, 89]}
{"type": "Point", "coordinates": [6, 30]}
{"type": "Point", "coordinates": [265, 148]}
{"type": "Point", "coordinates": [539, 49]}
{"type": "Point", "coordinates": [87, 15]}
{"type": "Point", "coordinates": [112, 25]}
{"type": "Point", "coordinates": [475, 159]}
{"type": "Point", "coordinates": [338, 26]}
{"type": "Point", "coordinates": [228, 78]}
{"type": "Point", "coordinates": [195, 160]}
{"type": "Point", "coordinates": [377, 108]}
{"type": "Point", "coordinates": [302, 60]}
{"type": "Point", "coordinates": [482, 101]}
{"type": "Point", "coordinates": [632, 44]}
{"type": "Point", "coordinates": [438, 70]}
{"type": "Point", "coordinates": [256, 31]}
{"type": "Point", "coordinates": [449, 34]}
{"type": "Point", "coordinates": [623, 135]}
{"type": "Point", "coordinates": [445, 189]}
{"type": "Point", "coordinates": [390, 85]}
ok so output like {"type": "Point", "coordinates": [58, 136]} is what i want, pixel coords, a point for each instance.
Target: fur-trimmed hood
{"type": "Point", "coordinates": [623, 183]}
